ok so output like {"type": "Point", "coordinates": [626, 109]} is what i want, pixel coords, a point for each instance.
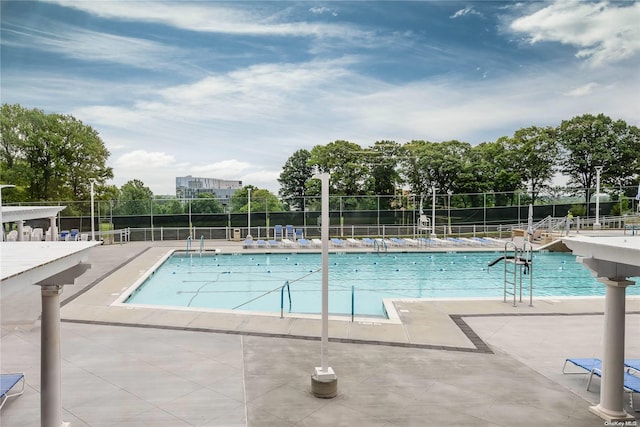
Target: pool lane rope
{"type": "Point", "coordinates": [200, 288]}
{"type": "Point", "coordinates": [311, 272]}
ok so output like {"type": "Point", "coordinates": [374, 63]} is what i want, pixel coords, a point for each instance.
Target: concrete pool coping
{"type": "Point", "coordinates": [420, 323]}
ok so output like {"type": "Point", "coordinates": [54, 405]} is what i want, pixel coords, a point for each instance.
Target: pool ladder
{"type": "Point", "coordinates": [286, 285]}
{"type": "Point", "coordinates": [188, 244]}
{"type": "Point", "coordinates": [522, 258]}
{"type": "Point", "coordinates": [378, 245]}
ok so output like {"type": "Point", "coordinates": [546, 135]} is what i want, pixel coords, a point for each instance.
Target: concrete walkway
{"type": "Point", "coordinates": [480, 363]}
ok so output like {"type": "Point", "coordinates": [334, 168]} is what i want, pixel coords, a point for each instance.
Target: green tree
{"type": "Point", "coordinates": [50, 156]}
{"type": "Point", "coordinates": [206, 203]}
{"type": "Point", "coordinates": [293, 179]}
{"type": "Point", "coordinates": [167, 205]}
{"type": "Point", "coordinates": [588, 141]}
{"type": "Point", "coordinates": [261, 200]}
{"type": "Point", "coordinates": [414, 166]}
{"type": "Point", "coordinates": [383, 160]}
{"type": "Point", "coordinates": [534, 153]}
{"type": "Point", "coordinates": [135, 198]}
{"type": "Point", "coordinates": [344, 160]}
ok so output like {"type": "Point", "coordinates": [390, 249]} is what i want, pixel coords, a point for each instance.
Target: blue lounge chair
{"type": "Point", "coordinates": [368, 241]}
{"type": "Point", "coordinates": [7, 383]}
{"type": "Point", "coordinates": [398, 242]}
{"type": "Point", "coordinates": [278, 232]}
{"type": "Point", "coordinates": [631, 383]}
{"type": "Point", "coordinates": [338, 242]}
{"type": "Point", "coordinates": [588, 364]}
{"type": "Point", "coordinates": [633, 364]}
{"type": "Point", "coordinates": [261, 243]}
{"type": "Point", "coordinates": [273, 244]}
{"type": "Point", "coordinates": [304, 243]}
{"type": "Point", "coordinates": [289, 232]}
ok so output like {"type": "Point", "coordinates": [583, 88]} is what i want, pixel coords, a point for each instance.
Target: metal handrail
{"type": "Point", "coordinates": [286, 285]}
{"type": "Point", "coordinates": [188, 244]}
{"type": "Point", "coordinates": [353, 302]}
{"type": "Point", "coordinates": [201, 244]}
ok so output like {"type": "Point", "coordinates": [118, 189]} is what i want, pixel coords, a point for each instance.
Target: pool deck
{"type": "Point", "coordinates": [442, 362]}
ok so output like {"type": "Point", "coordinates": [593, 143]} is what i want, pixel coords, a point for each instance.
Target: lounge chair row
{"type": "Point", "coordinates": [373, 243]}
{"type": "Point", "coordinates": [631, 378]}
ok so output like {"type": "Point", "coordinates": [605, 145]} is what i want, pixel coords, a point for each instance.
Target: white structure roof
{"type": "Point", "coordinates": [32, 262]}
{"type": "Point", "coordinates": [17, 213]}
{"type": "Point", "coordinates": [608, 256]}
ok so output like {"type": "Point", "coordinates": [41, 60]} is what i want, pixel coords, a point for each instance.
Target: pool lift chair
{"type": "Point", "coordinates": [518, 262]}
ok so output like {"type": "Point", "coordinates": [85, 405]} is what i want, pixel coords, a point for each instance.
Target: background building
{"type": "Point", "coordinates": [188, 187]}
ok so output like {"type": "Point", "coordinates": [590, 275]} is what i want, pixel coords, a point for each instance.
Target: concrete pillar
{"type": "Point", "coordinates": [611, 406]}
{"type": "Point", "coordinates": [54, 228]}
{"type": "Point", "coordinates": [20, 224]}
{"type": "Point", "coordinates": [50, 359]}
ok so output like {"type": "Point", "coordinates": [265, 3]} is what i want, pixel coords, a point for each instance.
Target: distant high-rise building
{"type": "Point", "coordinates": [188, 187]}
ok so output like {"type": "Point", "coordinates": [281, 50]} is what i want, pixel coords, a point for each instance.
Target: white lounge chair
{"type": "Point", "coordinates": [353, 242]}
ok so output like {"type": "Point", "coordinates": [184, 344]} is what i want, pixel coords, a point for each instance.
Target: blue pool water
{"type": "Point", "coordinates": [253, 282]}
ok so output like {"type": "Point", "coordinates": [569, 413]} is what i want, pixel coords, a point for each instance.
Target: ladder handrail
{"type": "Point", "coordinates": [201, 244]}
{"type": "Point", "coordinates": [521, 257]}
{"type": "Point", "coordinates": [188, 244]}
{"type": "Point", "coordinates": [286, 285]}
{"type": "Point", "coordinates": [353, 303]}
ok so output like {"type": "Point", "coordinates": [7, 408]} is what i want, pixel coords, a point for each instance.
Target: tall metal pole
{"type": "Point", "coordinates": [433, 211]}
{"type": "Point", "coordinates": [325, 272]}
{"type": "Point", "coordinates": [249, 213]}
{"type": "Point", "coordinates": [324, 382]}
{"type": "Point", "coordinates": [93, 222]}
{"type": "Point", "coordinates": [596, 225]}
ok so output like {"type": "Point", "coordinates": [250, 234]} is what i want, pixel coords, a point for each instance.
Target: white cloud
{"type": "Point", "coordinates": [464, 12]}
{"type": "Point", "coordinates": [319, 10]}
{"type": "Point", "coordinates": [602, 32]}
{"type": "Point", "coordinates": [89, 45]}
{"type": "Point", "coordinates": [245, 124]}
{"type": "Point", "coordinates": [583, 90]}
{"type": "Point", "coordinates": [141, 159]}
{"type": "Point", "coordinates": [211, 17]}
{"type": "Point", "coordinates": [225, 169]}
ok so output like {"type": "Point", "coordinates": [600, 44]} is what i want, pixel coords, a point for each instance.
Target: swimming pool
{"type": "Point", "coordinates": [254, 282]}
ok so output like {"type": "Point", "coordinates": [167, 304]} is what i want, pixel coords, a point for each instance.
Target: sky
{"type": "Point", "coordinates": [231, 90]}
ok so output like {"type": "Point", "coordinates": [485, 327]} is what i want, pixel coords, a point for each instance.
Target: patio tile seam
{"type": "Point", "coordinates": [285, 336]}
{"type": "Point", "coordinates": [103, 277]}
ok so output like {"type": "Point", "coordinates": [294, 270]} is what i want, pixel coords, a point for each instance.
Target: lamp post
{"type": "Point", "coordinates": [596, 225]}
{"type": "Point", "coordinates": [433, 211]}
{"type": "Point", "coordinates": [249, 213]}
{"type": "Point", "coordinates": [324, 382]}
{"type": "Point", "coordinates": [449, 193]}
{"type": "Point", "coordinates": [93, 229]}
{"type": "Point", "coordinates": [2, 223]}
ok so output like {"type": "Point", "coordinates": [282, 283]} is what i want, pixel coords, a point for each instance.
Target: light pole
{"type": "Point", "coordinates": [324, 382]}
{"type": "Point", "coordinates": [596, 225]}
{"type": "Point", "coordinates": [449, 193]}
{"type": "Point", "coordinates": [433, 211]}
{"type": "Point", "coordinates": [249, 213]}
{"type": "Point", "coordinates": [2, 223]}
{"type": "Point", "coordinates": [93, 229]}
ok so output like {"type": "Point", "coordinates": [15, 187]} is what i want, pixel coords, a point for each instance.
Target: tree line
{"type": "Point", "coordinates": [525, 162]}
{"type": "Point", "coordinates": [54, 157]}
